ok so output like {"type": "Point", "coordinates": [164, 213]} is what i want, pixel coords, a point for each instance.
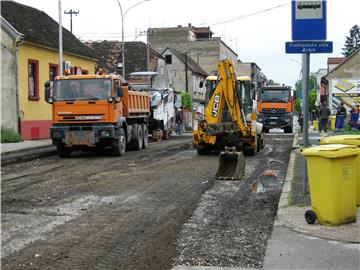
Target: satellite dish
{"type": "Point", "coordinates": [178, 104]}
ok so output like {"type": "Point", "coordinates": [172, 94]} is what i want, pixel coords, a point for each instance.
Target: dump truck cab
{"type": "Point", "coordinates": [275, 106]}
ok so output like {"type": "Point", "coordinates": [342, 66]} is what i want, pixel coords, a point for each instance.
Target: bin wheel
{"type": "Point", "coordinates": [310, 217]}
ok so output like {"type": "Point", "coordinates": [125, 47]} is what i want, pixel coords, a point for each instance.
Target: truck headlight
{"type": "Point", "coordinates": [105, 133]}
{"type": "Point", "coordinates": [57, 134]}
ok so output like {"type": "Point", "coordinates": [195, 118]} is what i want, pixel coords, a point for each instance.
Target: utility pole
{"type": "Point", "coordinates": [148, 49]}
{"type": "Point", "coordinates": [71, 12]}
{"type": "Point", "coordinates": [186, 73]}
{"type": "Point", "coordinates": [60, 42]}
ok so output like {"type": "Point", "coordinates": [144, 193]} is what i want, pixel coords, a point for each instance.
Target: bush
{"type": "Point", "coordinates": [9, 136]}
{"type": "Point", "coordinates": [186, 101]}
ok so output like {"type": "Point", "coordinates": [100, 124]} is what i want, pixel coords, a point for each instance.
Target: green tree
{"type": "Point", "coordinates": [352, 42]}
{"type": "Point", "coordinates": [186, 101]}
{"type": "Point", "coordinates": [312, 93]}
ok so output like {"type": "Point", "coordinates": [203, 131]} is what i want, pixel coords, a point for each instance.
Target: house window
{"type": "Point", "coordinates": [168, 59]}
{"type": "Point", "coordinates": [33, 79]}
{"type": "Point", "coordinates": [53, 71]}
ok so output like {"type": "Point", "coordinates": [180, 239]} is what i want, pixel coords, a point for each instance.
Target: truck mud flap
{"type": "Point", "coordinates": [231, 165]}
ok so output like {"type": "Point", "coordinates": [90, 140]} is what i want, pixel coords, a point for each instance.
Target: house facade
{"type": "Point", "coordinates": [252, 70]}
{"type": "Point", "coordinates": [198, 43]}
{"type": "Point", "coordinates": [185, 75]}
{"type": "Point", "coordinates": [10, 40]}
{"type": "Point", "coordinates": [38, 62]}
{"type": "Point", "coordinates": [343, 82]}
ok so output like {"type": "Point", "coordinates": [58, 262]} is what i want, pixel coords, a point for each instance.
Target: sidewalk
{"type": "Point", "coordinates": [294, 244]}
{"type": "Point", "coordinates": [26, 150]}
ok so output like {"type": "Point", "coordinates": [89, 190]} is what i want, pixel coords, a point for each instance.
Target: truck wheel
{"type": "Point", "coordinates": [63, 151]}
{"type": "Point", "coordinates": [146, 135]}
{"type": "Point", "coordinates": [119, 147]}
{"type": "Point", "coordinates": [258, 144]}
{"type": "Point", "coordinates": [203, 150]}
{"type": "Point", "coordinates": [138, 142]}
{"type": "Point", "coordinates": [288, 129]}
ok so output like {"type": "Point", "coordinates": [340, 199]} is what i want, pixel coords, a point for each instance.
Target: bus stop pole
{"type": "Point", "coordinates": [305, 98]}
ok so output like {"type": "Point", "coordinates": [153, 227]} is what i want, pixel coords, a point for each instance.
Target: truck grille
{"type": "Point", "coordinates": [274, 112]}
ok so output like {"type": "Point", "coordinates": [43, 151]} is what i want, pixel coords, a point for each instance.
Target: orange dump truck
{"type": "Point", "coordinates": [97, 111]}
{"type": "Point", "coordinates": [275, 105]}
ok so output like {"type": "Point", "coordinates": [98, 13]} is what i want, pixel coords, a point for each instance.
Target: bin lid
{"type": "Point", "coordinates": [331, 150]}
{"type": "Point", "coordinates": [342, 139]}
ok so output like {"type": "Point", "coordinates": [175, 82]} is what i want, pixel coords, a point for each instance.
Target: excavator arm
{"type": "Point", "coordinates": [225, 93]}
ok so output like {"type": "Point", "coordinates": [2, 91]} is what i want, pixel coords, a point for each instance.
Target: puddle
{"type": "Point", "coordinates": [268, 181]}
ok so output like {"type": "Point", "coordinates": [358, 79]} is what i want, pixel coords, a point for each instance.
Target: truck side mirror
{"type": "Point", "coordinates": [121, 89]}
{"type": "Point", "coordinates": [201, 84]}
{"type": "Point", "coordinates": [294, 95]}
{"type": "Point", "coordinates": [48, 96]}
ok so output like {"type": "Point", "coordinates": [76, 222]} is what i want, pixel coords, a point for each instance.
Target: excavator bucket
{"type": "Point", "coordinates": [231, 164]}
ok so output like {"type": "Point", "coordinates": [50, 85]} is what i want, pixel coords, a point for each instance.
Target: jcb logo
{"type": "Point", "coordinates": [215, 107]}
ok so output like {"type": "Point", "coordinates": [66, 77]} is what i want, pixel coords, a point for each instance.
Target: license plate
{"type": "Point", "coordinates": [273, 117]}
{"type": "Point", "coordinates": [272, 123]}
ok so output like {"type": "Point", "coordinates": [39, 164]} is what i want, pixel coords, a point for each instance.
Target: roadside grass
{"type": "Point", "coordinates": [9, 136]}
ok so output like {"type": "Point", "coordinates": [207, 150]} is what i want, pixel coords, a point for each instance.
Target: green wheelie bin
{"type": "Point", "coordinates": [331, 171]}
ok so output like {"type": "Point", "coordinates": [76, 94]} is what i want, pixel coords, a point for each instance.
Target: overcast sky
{"type": "Point", "coordinates": [258, 38]}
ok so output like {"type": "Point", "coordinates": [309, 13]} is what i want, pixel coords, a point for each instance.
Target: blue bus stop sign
{"type": "Point", "coordinates": [308, 20]}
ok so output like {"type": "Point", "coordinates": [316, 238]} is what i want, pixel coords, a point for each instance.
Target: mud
{"type": "Point", "coordinates": [146, 210]}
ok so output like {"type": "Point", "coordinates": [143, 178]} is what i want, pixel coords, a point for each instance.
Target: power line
{"type": "Point", "coordinates": [245, 16]}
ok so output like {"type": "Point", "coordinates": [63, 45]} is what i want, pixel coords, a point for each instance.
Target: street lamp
{"type": "Point", "coordinates": [123, 14]}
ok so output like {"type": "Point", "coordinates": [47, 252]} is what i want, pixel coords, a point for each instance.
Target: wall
{"type": "Point", "coordinates": [8, 82]}
{"type": "Point", "coordinates": [36, 114]}
{"type": "Point", "coordinates": [177, 78]}
{"type": "Point", "coordinates": [206, 52]}
{"type": "Point", "coordinates": [344, 83]}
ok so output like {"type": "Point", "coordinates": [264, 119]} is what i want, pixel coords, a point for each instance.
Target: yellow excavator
{"type": "Point", "coordinates": [225, 127]}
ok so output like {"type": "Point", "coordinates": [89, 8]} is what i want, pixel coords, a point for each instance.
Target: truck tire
{"type": "Point", "coordinates": [63, 151]}
{"type": "Point", "coordinates": [258, 143]}
{"type": "Point", "coordinates": [145, 132]}
{"type": "Point", "coordinates": [288, 129]}
{"type": "Point", "coordinates": [138, 142]}
{"type": "Point", "coordinates": [119, 146]}
{"type": "Point", "coordinates": [203, 150]}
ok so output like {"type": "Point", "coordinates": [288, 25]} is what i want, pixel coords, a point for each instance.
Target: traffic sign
{"type": "Point", "coordinates": [308, 20]}
{"type": "Point", "coordinates": [309, 47]}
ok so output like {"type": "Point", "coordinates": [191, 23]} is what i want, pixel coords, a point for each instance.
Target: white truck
{"type": "Point", "coordinates": [161, 121]}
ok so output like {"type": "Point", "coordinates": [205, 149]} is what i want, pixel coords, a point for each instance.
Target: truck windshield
{"type": "Point", "coordinates": [82, 89]}
{"type": "Point", "coordinates": [274, 95]}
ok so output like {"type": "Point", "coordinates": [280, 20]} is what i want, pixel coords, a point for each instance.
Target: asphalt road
{"type": "Point", "coordinates": [146, 210]}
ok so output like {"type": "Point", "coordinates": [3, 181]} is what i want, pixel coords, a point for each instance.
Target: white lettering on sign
{"type": "Point", "coordinates": [215, 107]}
{"type": "Point", "coordinates": [306, 9]}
